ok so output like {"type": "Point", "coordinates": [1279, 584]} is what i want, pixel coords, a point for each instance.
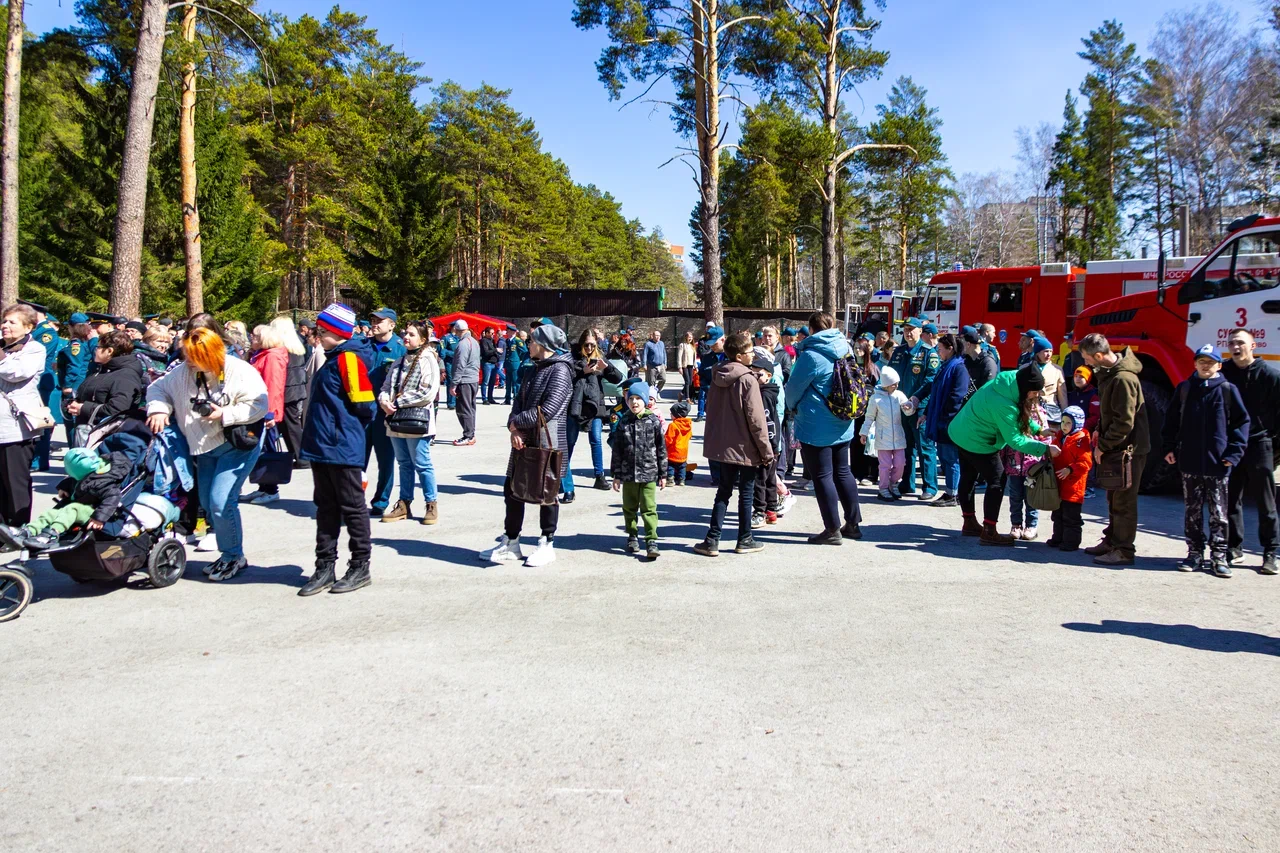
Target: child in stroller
{"type": "Point", "coordinates": [88, 497]}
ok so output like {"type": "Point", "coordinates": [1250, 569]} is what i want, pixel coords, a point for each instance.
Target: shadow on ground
{"type": "Point", "coordinates": [1189, 636]}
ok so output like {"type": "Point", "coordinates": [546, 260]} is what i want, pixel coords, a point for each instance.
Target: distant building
{"type": "Point", "coordinates": [677, 253]}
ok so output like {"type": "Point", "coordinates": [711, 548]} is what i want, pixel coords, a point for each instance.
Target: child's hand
{"type": "Point", "coordinates": [94, 524]}
{"type": "Point", "coordinates": [1063, 473]}
{"type": "Point", "coordinates": [1171, 458]}
{"type": "Point", "coordinates": [662, 483]}
{"type": "Point", "coordinates": [1054, 451]}
{"type": "Point", "coordinates": [617, 485]}
{"type": "Point", "coordinates": [62, 496]}
{"type": "Point", "coordinates": [862, 438]}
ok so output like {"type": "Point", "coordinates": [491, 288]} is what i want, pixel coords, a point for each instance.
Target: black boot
{"type": "Point", "coordinates": [602, 484]}
{"type": "Point", "coordinates": [827, 537]}
{"type": "Point", "coordinates": [1269, 563]}
{"type": "Point", "coordinates": [357, 577]}
{"type": "Point", "coordinates": [851, 530]}
{"type": "Point", "coordinates": [321, 580]}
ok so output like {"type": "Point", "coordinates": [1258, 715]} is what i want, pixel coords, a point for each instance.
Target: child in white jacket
{"type": "Point", "coordinates": [884, 421]}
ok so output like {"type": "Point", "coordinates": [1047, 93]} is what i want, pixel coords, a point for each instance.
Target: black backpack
{"type": "Point", "coordinates": [850, 389]}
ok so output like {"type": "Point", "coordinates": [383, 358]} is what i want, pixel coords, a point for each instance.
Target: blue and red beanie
{"type": "Point", "coordinates": [338, 319]}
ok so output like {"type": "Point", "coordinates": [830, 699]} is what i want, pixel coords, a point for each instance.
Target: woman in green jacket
{"type": "Point", "coordinates": [998, 415]}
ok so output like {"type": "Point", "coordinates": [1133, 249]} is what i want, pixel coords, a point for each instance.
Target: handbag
{"type": "Point", "coordinates": [413, 420]}
{"type": "Point", "coordinates": [1115, 470]}
{"type": "Point", "coordinates": [38, 419]}
{"type": "Point", "coordinates": [1042, 486]}
{"type": "Point", "coordinates": [535, 471]}
{"type": "Point", "coordinates": [275, 463]}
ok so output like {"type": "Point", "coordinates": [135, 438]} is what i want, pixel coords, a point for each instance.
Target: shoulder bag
{"type": "Point", "coordinates": [1115, 470]}
{"type": "Point", "coordinates": [1042, 486]}
{"type": "Point", "coordinates": [414, 420]}
{"type": "Point", "coordinates": [37, 420]}
{"type": "Point", "coordinates": [535, 471]}
{"type": "Point", "coordinates": [275, 463]}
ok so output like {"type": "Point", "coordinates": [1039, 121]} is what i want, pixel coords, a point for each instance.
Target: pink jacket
{"type": "Point", "coordinates": [273, 364]}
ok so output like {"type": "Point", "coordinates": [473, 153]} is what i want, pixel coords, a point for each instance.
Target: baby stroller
{"type": "Point", "coordinates": [130, 542]}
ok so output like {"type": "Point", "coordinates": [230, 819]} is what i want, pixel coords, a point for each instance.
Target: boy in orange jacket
{"type": "Point", "coordinates": [678, 433]}
{"type": "Point", "coordinates": [1072, 467]}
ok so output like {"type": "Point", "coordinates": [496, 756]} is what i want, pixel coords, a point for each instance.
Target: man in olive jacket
{"type": "Point", "coordinates": [1122, 424]}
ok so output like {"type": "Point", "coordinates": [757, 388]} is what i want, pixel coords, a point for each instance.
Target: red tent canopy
{"type": "Point", "coordinates": [477, 323]}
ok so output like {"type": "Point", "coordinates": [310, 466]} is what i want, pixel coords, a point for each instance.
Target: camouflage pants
{"type": "Point", "coordinates": [1203, 492]}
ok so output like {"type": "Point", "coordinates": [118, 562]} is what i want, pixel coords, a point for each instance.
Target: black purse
{"type": "Point", "coordinates": [275, 463]}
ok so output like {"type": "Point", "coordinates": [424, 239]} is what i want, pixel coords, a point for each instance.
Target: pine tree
{"type": "Point", "coordinates": [1065, 176]}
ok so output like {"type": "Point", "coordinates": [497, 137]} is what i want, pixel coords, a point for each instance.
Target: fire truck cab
{"type": "Point", "coordinates": [887, 310]}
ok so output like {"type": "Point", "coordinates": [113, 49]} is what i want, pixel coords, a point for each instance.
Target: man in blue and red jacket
{"type": "Point", "coordinates": [342, 405]}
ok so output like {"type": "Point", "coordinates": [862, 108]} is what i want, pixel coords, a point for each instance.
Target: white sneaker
{"type": "Point", "coordinates": [265, 498]}
{"type": "Point", "coordinates": [1015, 532]}
{"type": "Point", "coordinates": [251, 497]}
{"type": "Point", "coordinates": [506, 552]}
{"type": "Point", "coordinates": [545, 553]}
{"type": "Point", "coordinates": [1029, 534]}
{"type": "Point", "coordinates": [787, 503]}
{"type": "Point", "coordinates": [208, 543]}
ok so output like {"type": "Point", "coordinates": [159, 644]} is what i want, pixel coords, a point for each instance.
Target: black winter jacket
{"type": "Point", "coordinates": [587, 402]}
{"type": "Point", "coordinates": [115, 388]}
{"type": "Point", "coordinates": [488, 351]}
{"type": "Point", "coordinates": [1259, 387]}
{"type": "Point", "coordinates": [639, 449]}
{"type": "Point", "coordinates": [295, 383]}
{"type": "Point", "coordinates": [769, 396]}
{"type": "Point", "coordinates": [1210, 430]}
{"type": "Point", "coordinates": [99, 490]}
{"type": "Point", "coordinates": [982, 369]}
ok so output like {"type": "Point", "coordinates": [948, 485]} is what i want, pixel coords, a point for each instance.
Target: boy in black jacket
{"type": "Point", "coordinates": [1254, 478]}
{"type": "Point", "coordinates": [766, 490]}
{"type": "Point", "coordinates": [1206, 431]}
{"type": "Point", "coordinates": [639, 467]}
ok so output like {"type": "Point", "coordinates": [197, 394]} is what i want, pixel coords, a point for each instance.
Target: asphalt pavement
{"type": "Point", "coordinates": [912, 691]}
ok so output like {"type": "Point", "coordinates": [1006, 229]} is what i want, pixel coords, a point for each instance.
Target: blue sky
{"type": "Point", "coordinates": [989, 67]}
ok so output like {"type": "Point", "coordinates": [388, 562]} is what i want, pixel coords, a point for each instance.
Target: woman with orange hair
{"type": "Point", "coordinates": [205, 397]}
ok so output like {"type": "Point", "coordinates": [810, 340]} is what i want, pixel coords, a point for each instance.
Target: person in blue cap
{"type": "Point", "coordinates": [1025, 345]}
{"type": "Point", "coordinates": [710, 354]}
{"type": "Point", "coordinates": [73, 362]}
{"type": "Point", "coordinates": [929, 334]}
{"type": "Point", "coordinates": [388, 348]}
{"type": "Point", "coordinates": [46, 334]}
{"type": "Point", "coordinates": [917, 366]}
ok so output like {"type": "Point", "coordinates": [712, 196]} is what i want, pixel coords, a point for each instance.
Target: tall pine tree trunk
{"type": "Point", "coordinates": [706, 61]}
{"type": "Point", "coordinates": [126, 263]}
{"type": "Point", "coordinates": [9, 162]}
{"type": "Point", "coordinates": [187, 155]}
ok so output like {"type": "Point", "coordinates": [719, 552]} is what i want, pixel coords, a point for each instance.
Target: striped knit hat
{"type": "Point", "coordinates": [339, 319]}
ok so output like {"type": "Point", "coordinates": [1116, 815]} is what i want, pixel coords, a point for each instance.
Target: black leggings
{"type": "Point", "coordinates": [988, 467]}
{"type": "Point", "coordinates": [833, 483]}
{"type": "Point", "coordinates": [548, 516]}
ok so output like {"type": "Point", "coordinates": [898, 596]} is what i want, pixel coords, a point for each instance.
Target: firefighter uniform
{"type": "Point", "coordinates": [47, 335]}
{"type": "Point", "coordinates": [73, 365]}
{"type": "Point", "coordinates": [917, 367]}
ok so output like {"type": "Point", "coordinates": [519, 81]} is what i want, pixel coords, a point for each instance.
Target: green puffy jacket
{"type": "Point", "coordinates": [989, 421]}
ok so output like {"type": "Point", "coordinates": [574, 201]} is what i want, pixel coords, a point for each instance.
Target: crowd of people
{"type": "Point", "coordinates": [785, 411]}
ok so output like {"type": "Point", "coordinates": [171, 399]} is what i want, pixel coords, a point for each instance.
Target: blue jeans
{"type": "Point", "coordinates": [488, 377]}
{"type": "Point", "coordinates": [702, 402]}
{"type": "Point", "coordinates": [414, 458]}
{"type": "Point", "coordinates": [450, 398]}
{"type": "Point", "coordinates": [377, 441]}
{"type": "Point", "coordinates": [220, 474]}
{"type": "Point", "coordinates": [1015, 488]}
{"type": "Point", "coordinates": [949, 456]}
{"type": "Point", "coordinates": [572, 430]}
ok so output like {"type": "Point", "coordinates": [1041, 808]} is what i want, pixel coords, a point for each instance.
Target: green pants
{"type": "Point", "coordinates": [641, 499]}
{"type": "Point", "coordinates": [61, 520]}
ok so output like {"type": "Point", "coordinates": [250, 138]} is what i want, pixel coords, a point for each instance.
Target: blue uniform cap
{"type": "Point", "coordinates": [387, 314]}
{"type": "Point", "coordinates": [931, 328]}
{"type": "Point", "coordinates": [1208, 351]}
{"type": "Point", "coordinates": [79, 317]}
{"type": "Point", "coordinates": [789, 332]}
{"type": "Point", "coordinates": [804, 330]}
{"type": "Point", "coordinates": [915, 322]}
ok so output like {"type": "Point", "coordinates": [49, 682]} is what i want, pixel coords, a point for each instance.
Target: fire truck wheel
{"type": "Point", "coordinates": [1159, 476]}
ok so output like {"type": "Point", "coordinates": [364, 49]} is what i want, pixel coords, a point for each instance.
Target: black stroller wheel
{"type": "Point", "coordinates": [15, 594]}
{"type": "Point", "coordinates": [167, 562]}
